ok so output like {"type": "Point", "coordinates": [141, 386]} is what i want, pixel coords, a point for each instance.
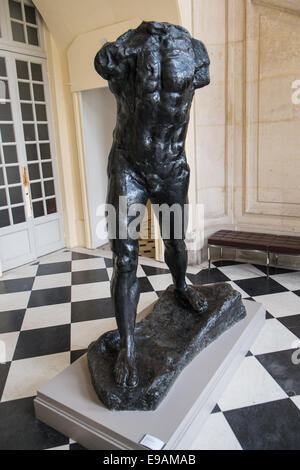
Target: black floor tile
{"type": "Point", "coordinates": [19, 430]}
{"type": "Point", "coordinates": [59, 295]}
{"type": "Point", "coordinates": [273, 270]}
{"type": "Point", "coordinates": [280, 366]}
{"type": "Point", "coordinates": [91, 310]}
{"type": "Point", "coordinates": [249, 354]}
{"type": "Point", "coordinates": [43, 341]}
{"type": "Point", "coordinates": [77, 354]}
{"type": "Point", "coordinates": [269, 316]}
{"type": "Point", "coordinates": [260, 286]}
{"type": "Point", "coordinates": [207, 277]}
{"type": "Point", "coordinates": [108, 262]}
{"type": "Point", "coordinates": [92, 275]}
{"type": "Point", "coordinates": [216, 409]}
{"type": "Point", "coordinates": [145, 285]}
{"type": "Point", "coordinates": [11, 321]}
{"type": "Point", "coordinates": [220, 264]}
{"type": "Point", "coordinates": [54, 268]}
{"type": "Point", "coordinates": [4, 369]}
{"type": "Point", "coordinates": [297, 292]}
{"type": "Point", "coordinates": [292, 323]}
{"type": "Point", "coordinates": [152, 271]}
{"type": "Point", "coordinates": [78, 256]}
{"type": "Point", "coordinates": [268, 426]}
{"type": "Point", "coordinates": [77, 446]}
{"type": "Point", "coordinates": [16, 285]}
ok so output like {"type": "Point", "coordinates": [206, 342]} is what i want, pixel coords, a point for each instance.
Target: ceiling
{"type": "Point", "coordinates": [67, 19]}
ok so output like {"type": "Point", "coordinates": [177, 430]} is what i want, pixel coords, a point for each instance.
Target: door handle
{"type": "Point", "coordinates": [27, 193]}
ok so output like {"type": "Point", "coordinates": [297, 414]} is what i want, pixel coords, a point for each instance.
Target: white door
{"type": "Point", "coordinates": [30, 220]}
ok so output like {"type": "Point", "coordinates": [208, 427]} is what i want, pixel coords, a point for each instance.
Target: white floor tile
{"type": "Point", "coordinates": [66, 447]}
{"type": "Point", "coordinates": [58, 257]}
{"type": "Point", "coordinates": [23, 272]}
{"type": "Point", "coordinates": [146, 299]}
{"type": "Point", "coordinates": [290, 281]}
{"type": "Point", "coordinates": [161, 281]}
{"type": "Point", "coordinates": [251, 385]}
{"type": "Point", "coordinates": [280, 305]}
{"type": "Point", "coordinates": [26, 376]}
{"type": "Point", "coordinates": [241, 271]}
{"type": "Point", "coordinates": [52, 281]}
{"type": "Point", "coordinates": [140, 272]}
{"type": "Point", "coordinates": [15, 301]}
{"type": "Point", "coordinates": [8, 342]}
{"type": "Point", "coordinates": [46, 316]}
{"type": "Point", "coordinates": [83, 333]}
{"type": "Point", "coordinates": [216, 434]}
{"type": "Point", "coordinates": [96, 290]}
{"type": "Point", "coordinates": [88, 264]}
{"type": "Point", "coordinates": [110, 272]}
{"type": "Point", "coordinates": [273, 337]}
{"type": "Point", "coordinates": [296, 400]}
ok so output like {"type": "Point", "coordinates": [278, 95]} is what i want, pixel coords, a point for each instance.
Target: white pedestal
{"type": "Point", "coordinates": [69, 404]}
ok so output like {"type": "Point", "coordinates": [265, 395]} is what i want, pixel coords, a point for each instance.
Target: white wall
{"type": "Point", "coordinates": [98, 121]}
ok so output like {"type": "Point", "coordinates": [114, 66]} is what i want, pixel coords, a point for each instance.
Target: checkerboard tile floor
{"type": "Point", "coordinates": [51, 310]}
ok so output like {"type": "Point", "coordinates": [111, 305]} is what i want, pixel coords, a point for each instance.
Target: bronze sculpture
{"type": "Point", "coordinates": [153, 71]}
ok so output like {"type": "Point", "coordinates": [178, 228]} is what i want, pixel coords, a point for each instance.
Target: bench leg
{"type": "Point", "coordinates": [276, 260]}
{"type": "Point", "coordinates": [221, 253]}
{"type": "Point", "coordinates": [209, 258]}
{"type": "Point", "coordinates": [268, 265]}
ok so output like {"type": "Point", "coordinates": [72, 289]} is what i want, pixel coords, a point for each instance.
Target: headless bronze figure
{"type": "Point", "coordinates": [153, 72]}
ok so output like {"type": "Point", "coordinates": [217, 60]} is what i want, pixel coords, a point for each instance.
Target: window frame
{"type": "Point", "coordinates": [6, 40]}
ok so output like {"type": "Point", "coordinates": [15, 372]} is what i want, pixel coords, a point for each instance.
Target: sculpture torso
{"type": "Point", "coordinates": [153, 79]}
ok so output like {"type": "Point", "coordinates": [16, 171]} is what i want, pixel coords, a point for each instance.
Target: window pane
{"type": "Point", "coordinates": [22, 70]}
{"type": "Point", "coordinates": [4, 91]}
{"type": "Point", "coordinates": [13, 174]}
{"type": "Point", "coordinates": [3, 199]}
{"type": "Point", "coordinates": [5, 112]}
{"type": "Point", "coordinates": [47, 170]}
{"type": "Point", "coordinates": [4, 218]}
{"type": "Point", "coordinates": [3, 72]}
{"type": "Point", "coordinates": [30, 14]}
{"type": "Point", "coordinates": [15, 194]}
{"type": "Point", "coordinates": [36, 190]}
{"type": "Point", "coordinates": [18, 214]}
{"type": "Point", "coordinates": [51, 206]}
{"type": "Point", "coordinates": [27, 112]}
{"type": "Point", "coordinates": [10, 154]}
{"type": "Point", "coordinates": [15, 10]}
{"type": "Point", "coordinates": [7, 132]}
{"type": "Point", "coordinates": [45, 151]}
{"type": "Point", "coordinates": [38, 209]}
{"type": "Point", "coordinates": [24, 91]}
{"type": "Point", "coordinates": [43, 132]}
{"type": "Point", "coordinates": [18, 32]}
{"type": "Point", "coordinates": [32, 34]}
{"type": "Point", "coordinates": [38, 91]}
{"type": "Point", "coordinates": [49, 188]}
{"type": "Point", "coordinates": [29, 132]}
{"type": "Point", "coordinates": [34, 172]}
{"type": "Point", "coordinates": [31, 152]}
{"type": "Point", "coordinates": [36, 72]}
{"type": "Point", "coordinates": [41, 113]}
{"type": "Point", "coordinates": [1, 177]}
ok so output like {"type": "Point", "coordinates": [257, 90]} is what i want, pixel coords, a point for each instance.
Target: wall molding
{"type": "Point", "coordinates": [290, 6]}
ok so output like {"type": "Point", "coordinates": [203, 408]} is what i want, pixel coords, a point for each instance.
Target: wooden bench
{"type": "Point", "coordinates": [262, 242]}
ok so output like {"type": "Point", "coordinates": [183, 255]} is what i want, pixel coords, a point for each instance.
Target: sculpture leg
{"type": "Point", "coordinates": [174, 194]}
{"type": "Point", "coordinates": [124, 285]}
{"type": "Point", "coordinates": [125, 295]}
